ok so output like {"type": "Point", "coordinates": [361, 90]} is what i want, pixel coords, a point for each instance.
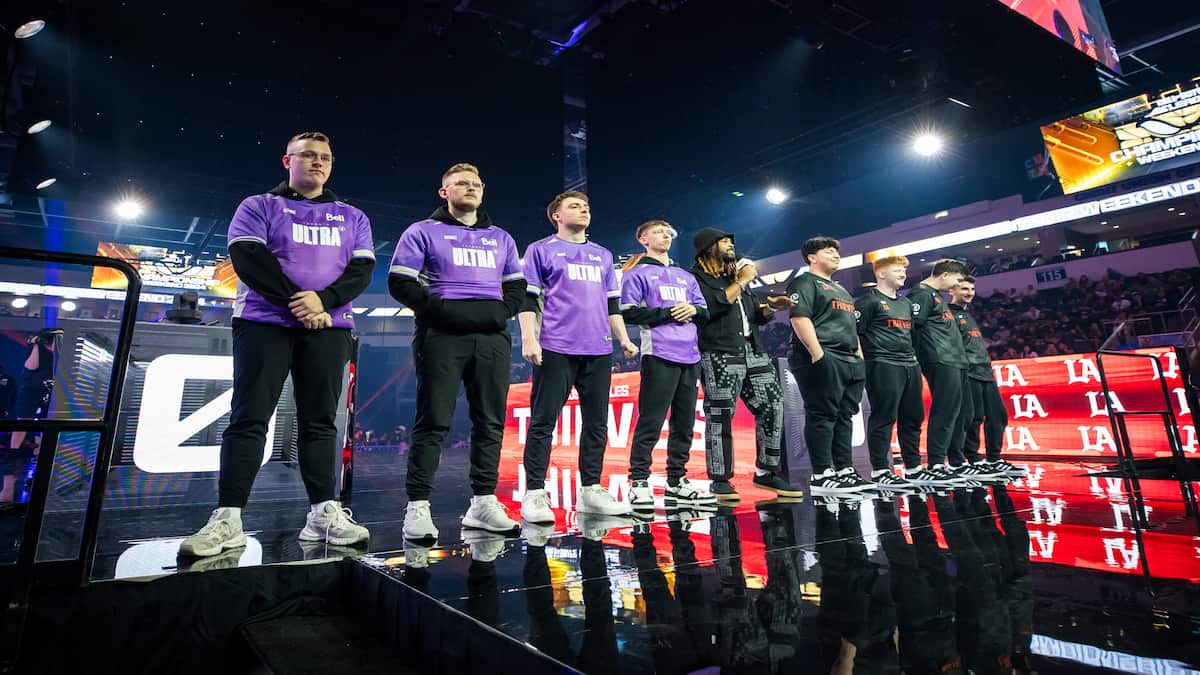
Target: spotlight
{"type": "Point", "coordinates": [776, 196]}
{"type": "Point", "coordinates": [38, 127]}
{"type": "Point", "coordinates": [47, 183]}
{"type": "Point", "coordinates": [29, 29]}
{"type": "Point", "coordinates": [67, 306]}
{"type": "Point", "coordinates": [927, 145]}
{"type": "Point", "coordinates": [129, 209]}
{"type": "Point", "coordinates": [20, 303]}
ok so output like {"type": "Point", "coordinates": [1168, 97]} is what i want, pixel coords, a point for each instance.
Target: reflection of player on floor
{"type": "Point", "coordinates": [460, 275]}
{"type": "Point", "coordinates": [734, 365]}
{"type": "Point", "coordinates": [572, 289]}
{"type": "Point", "coordinates": [301, 256]}
{"type": "Point", "coordinates": [666, 301]}
{"type": "Point", "coordinates": [828, 364]}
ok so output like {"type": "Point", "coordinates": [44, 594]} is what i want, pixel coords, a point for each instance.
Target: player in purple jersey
{"type": "Point", "coordinates": [300, 256]}
{"type": "Point", "coordinates": [461, 276]}
{"type": "Point", "coordinates": [574, 285]}
{"type": "Point", "coordinates": [665, 301]}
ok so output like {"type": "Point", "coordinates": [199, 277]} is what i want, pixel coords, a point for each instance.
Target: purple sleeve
{"type": "Point", "coordinates": [694, 295]}
{"type": "Point", "coordinates": [633, 289]}
{"type": "Point", "coordinates": [512, 262]}
{"type": "Point", "coordinates": [533, 270]}
{"type": "Point", "coordinates": [409, 258]}
{"type": "Point", "coordinates": [364, 243]}
{"type": "Point", "coordinates": [610, 279]}
{"type": "Point", "coordinates": [249, 222]}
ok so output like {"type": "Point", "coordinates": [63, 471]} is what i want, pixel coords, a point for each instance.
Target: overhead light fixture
{"type": "Point", "coordinates": [129, 209]}
{"type": "Point", "coordinates": [38, 127]}
{"type": "Point", "coordinates": [1170, 208]}
{"type": "Point", "coordinates": [738, 193]}
{"type": "Point", "coordinates": [962, 103]}
{"type": "Point", "coordinates": [987, 245]}
{"type": "Point", "coordinates": [67, 306]}
{"type": "Point", "coordinates": [927, 144]}
{"type": "Point", "coordinates": [776, 196]}
{"type": "Point", "coordinates": [1183, 213]}
{"type": "Point", "coordinates": [1116, 227]}
{"type": "Point", "coordinates": [20, 303]}
{"type": "Point", "coordinates": [47, 183]}
{"type": "Point", "coordinates": [29, 29]}
{"type": "Point", "coordinates": [999, 249]}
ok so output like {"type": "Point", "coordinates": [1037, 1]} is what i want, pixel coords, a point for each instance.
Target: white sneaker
{"type": "Point", "coordinates": [686, 493]}
{"type": "Point", "coordinates": [536, 507]}
{"type": "Point", "coordinates": [418, 523]}
{"type": "Point", "coordinates": [595, 499]}
{"type": "Point", "coordinates": [416, 556]}
{"type": "Point", "coordinates": [485, 546]}
{"type": "Point", "coordinates": [223, 531]}
{"type": "Point", "coordinates": [334, 524]}
{"type": "Point", "coordinates": [487, 513]}
{"type": "Point", "coordinates": [641, 497]}
{"type": "Point", "coordinates": [536, 534]}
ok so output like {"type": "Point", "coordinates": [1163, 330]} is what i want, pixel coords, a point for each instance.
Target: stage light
{"type": "Point", "coordinates": [38, 127]}
{"type": "Point", "coordinates": [29, 29]}
{"type": "Point", "coordinates": [927, 144]}
{"type": "Point", "coordinates": [20, 303]}
{"type": "Point", "coordinates": [128, 209]}
{"type": "Point", "coordinates": [776, 196]}
{"type": "Point", "coordinates": [737, 193]}
{"type": "Point", "coordinates": [67, 306]}
{"type": "Point", "coordinates": [47, 183]}
{"type": "Point", "coordinates": [1183, 213]}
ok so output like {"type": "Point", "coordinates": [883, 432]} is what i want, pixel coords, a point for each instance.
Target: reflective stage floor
{"type": "Point", "coordinates": [1043, 574]}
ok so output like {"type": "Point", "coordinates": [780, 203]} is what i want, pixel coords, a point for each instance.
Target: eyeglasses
{"type": "Point", "coordinates": [310, 155]}
{"type": "Point", "coordinates": [464, 184]}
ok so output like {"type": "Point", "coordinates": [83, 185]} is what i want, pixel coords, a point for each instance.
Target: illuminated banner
{"type": "Point", "coordinates": [1055, 408]}
{"type": "Point", "coordinates": [1130, 138]}
{"type": "Point", "coordinates": [162, 268]}
{"type": "Point", "coordinates": [1079, 23]}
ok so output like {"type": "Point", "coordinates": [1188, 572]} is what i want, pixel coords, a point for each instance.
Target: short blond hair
{"type": "Point", "coordinates": [461, 167]}
{"type": "Point", "coordinates": [310, 136]}
{"type": "Point", "coordinates": [889, 261]}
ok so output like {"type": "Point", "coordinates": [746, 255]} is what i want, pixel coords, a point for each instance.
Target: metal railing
{"type": "Point", "coordinates": [23, 571]}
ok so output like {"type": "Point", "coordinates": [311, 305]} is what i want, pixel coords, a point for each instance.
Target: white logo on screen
{"type": "Point", "coordinates": [158, 446]}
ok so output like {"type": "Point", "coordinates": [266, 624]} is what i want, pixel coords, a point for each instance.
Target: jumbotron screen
{"type": "Point", "coordinates": [169, 270]}
{"type": "Point", "coordinates": [1079, 23]}
{"type": "Point", "coordinates": [1127, 139]}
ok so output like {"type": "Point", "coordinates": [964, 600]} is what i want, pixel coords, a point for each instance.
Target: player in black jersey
{"type": "Point", "coordinates": [981, 388]}
{"type": "Point", "coordinates": [893, 374]}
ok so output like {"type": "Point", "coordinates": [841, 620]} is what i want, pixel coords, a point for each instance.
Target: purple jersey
{"type": "Point", "coordinates": [314, 241]}
{"type": "Point", "coordinates": [661, 287]}
{"type": "Point", "coordinates": [457, 262]}
{"type": "Point", "coordinates": [574, 283]}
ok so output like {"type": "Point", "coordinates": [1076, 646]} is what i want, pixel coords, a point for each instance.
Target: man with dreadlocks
{"type": "Point", "coordinates": [734, 364]}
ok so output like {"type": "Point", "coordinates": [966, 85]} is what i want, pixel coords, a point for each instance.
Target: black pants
{"type": "Point", "coordinates": [263, 355]}
{"type": "Point", "coordinates": [832, 389]}
{"type": "Point", "coordinates": [946, 392]}
{"type": "Point", "coordinates": [989, 410]}
{"type": "Point", "coordinates": [895, 394]}
{"type": "Point", "coordinates": [552, 382]}
{"type": "Point", "coordinates": [751, 377]}
{"type": "Point", "coordinates": [481, 362]}
{"type": "Point", "coordinates": [664, 384]}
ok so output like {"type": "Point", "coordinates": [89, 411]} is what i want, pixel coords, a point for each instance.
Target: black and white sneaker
{"type": "Point", "coordinates": [984, 470]}
{"type": "Point", "coordinates": [641, 498]}
{"type": "Point", "coordinates": [936, 475]}
{"type": "Point", "coordinates": [888, 480]}
{"type": "Point", "coordinates": [686, 494]}
{"type": "Point", "coordinates": [1008, 469]}
{"type": "Point", "coordinates": [827, 483]}
{"type": "Point", "coordinates": [852, 481]}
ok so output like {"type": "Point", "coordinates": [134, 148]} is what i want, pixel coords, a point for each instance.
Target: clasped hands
{"type": "Point", "coordinates": [308, 308]}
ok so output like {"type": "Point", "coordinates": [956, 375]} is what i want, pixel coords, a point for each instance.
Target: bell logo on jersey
{"type": "Point", "coordinates": [316, 235]}
{"type": "Point", "coordinates": [335, 216]}
{"type": "Point", "coordinates": [474, 257]}
{"type": "Point", "coordinates": [578, 272]}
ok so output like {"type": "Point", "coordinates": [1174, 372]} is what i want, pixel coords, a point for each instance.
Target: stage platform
{"type": "Point", "coordinates": [1043, 574]}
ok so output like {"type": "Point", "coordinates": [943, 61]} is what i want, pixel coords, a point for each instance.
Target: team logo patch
{"type": "Point", "coordinates": [824, 286]}
{"type": "Point", "coordinates": [916, 307]}
{"type": "Point", "coordinates": [857, 314]}
{"type": "Point", "coordinates": [884, 306]}
{"type": "Point", "coordinates": [348, 316]}
{"type": "Point", "coordinates": [795, 297]}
